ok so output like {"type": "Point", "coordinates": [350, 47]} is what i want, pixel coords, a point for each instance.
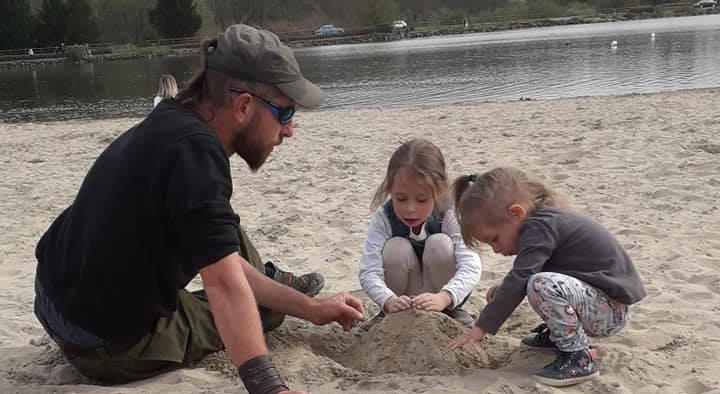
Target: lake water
{"type": "Point", "coordinates": [560, 61]}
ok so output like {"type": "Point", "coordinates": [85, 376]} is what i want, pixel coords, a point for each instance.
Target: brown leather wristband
{"type": "Point", "coordinates": [260, 376]}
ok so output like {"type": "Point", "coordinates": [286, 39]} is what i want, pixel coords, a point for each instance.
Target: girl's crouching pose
{"type": "Point", "coordinates": [576, 276]}
{"type": "Point", "coordinates": [414, 255]}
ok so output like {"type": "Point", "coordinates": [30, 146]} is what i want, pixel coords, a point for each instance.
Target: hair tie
{"type": "Point", "coordinates": [207, 47]}
{"type": "Point", "coordinates": [472, 178]}
{"type": "Point", "coordinates": [212, 45]}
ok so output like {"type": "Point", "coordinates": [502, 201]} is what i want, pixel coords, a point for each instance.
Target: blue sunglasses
{"type": "Point", "coordinates": [283, 115]}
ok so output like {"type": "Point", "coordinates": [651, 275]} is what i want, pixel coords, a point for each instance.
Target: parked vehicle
{"type": "Point", "coordinates": [705, 4]}
{"type": "Point", "coordinates": [329, 31]}
{"type": "Point", "coordinates": [398, 25]}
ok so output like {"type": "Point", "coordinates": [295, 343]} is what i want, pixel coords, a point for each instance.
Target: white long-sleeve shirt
{"type": "Point", "coordinates": [372, 273]}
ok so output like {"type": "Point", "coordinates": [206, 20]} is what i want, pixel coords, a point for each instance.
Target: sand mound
{"type": "Point", "coordinates": [411, 342]}
{"type": "Point", "coordinates": [416, 342]}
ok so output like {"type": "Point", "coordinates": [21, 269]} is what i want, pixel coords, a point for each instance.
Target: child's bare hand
{"type": "Point", "coordinates": [432, 301]}
{"type": "Point", "coordinates": [397, 304]}
{"type": "Point", "coordinates": [471, 336]}
{"type": "Point", "coordinates": [490, 293]}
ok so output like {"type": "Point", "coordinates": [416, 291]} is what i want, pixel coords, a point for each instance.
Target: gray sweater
{"type": "Point", "coordinates": [552, 240]}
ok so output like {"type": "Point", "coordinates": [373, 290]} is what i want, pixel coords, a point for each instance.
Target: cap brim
{"type": "Point", "coordinates": [303, 92]}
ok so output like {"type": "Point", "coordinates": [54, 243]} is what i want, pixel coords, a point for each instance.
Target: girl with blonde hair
{"type": "Point", "coordinates": [167, 90]}
{"type": "Point", "coordinates": [414, 255]}
{"type": "Point", "coordinates": [575, 274]}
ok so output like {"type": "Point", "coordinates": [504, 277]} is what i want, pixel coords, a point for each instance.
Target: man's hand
{"type": "Point", "coordinates": [433, 301]}
{"type": "Point", "coordinates": [471, 336]}
{"type": "Point", "coordinates": [490, 293]}
{"type": "Point", "coordinates": [342, 308]}
{"type": "Point", "coordinates": [397, 304]}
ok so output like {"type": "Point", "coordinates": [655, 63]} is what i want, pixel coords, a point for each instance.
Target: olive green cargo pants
{"type": "Point", "coordinates": [186, 336]}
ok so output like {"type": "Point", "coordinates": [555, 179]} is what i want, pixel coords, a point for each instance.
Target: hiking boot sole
{"type": "Point", "coordinates": [566, 382]}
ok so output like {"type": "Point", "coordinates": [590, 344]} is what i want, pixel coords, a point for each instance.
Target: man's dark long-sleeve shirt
{"type": "Point", "coordinates": [152, 211]}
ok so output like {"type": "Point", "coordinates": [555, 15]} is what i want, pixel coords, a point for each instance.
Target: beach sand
{"type": "Point", "coordinates": [646, 166]}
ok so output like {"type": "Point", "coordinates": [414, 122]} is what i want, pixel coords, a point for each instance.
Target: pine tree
{"type": "Point", "coordinates": [175, 18]}
{"type": "Point", "coordinates": [16, 24]}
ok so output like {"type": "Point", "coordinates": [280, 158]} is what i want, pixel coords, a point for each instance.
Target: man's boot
{"type": "Point", "coordinates": [308, 284]}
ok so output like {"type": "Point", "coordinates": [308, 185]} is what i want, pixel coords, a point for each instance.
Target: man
{"type": "Point", "coordinates": [154, 211]}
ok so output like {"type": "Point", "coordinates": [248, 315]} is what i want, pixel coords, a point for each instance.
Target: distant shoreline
{"type": "Point", "coordinates": [111, 54]}
{"type": "Point", "coordinates": [59, 118]}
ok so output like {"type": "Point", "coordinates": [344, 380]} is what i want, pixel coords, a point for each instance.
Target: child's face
{"type": "Point", "coordinates": [502, 238]}
{"type": "Point", "coordinates": [412, 198]}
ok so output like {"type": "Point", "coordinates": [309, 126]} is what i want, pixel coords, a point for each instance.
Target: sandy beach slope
{"type": "Point", "coordinates": [646, 166]}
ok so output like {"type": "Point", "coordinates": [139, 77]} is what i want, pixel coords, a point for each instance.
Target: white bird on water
{"type": "Point", "coordinates": [652, 36]}
{"type": "Point", "coordinates": [613, 44]}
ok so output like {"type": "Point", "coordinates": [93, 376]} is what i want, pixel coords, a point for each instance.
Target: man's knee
{"type": "Point", "coordinates": [270, 319]}
{"type": "Point", "coordinates": [119, 370]}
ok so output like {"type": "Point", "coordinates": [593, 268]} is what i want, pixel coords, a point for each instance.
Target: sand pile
{"type": "Point", "coordinates": [416, 342]}
{"type": "Point", "coordinates": [411, 342]}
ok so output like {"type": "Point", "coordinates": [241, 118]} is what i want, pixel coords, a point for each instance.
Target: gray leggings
{"type": "Point", "coordinates": [573, 309]}
{"type": "Point", "coordinates": [403, 274]}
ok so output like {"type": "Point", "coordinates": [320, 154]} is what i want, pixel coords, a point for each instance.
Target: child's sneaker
{"type": "Point", "coordinates": [460, 315]}
{"type": "Point", "coordinates": [308, 284]}
{"type": "Point", "coordinates": [540, 340]}
{"type": "Point", "coordinates": [569, 368]}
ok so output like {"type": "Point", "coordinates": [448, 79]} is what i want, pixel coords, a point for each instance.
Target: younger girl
{"type": "Point", "coordinates": [167, 89]}
{"type": "Point", "coordinates": [575, 274]}
{"type": "Point", "coordinates": [414, 255]}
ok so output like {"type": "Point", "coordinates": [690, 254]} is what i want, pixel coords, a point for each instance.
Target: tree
{"type": "Point", "coordinates": [16, 24]}
{"type": "Point", "coordinates": [125, 21]}
{"type": "Point", "coordinates": [80, 24]}
{"type": "Point", "coordinates": [175, 18]}
{"type": "Point", "coordinates": [51, 22]}
{"type": "Point", "coordinates": [383, 11]}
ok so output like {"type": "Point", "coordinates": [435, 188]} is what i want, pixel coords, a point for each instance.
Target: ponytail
{"type": "Point", "coordinates": [196, 87]}
{"type": "Point", "coordinates": [542, 196]}
{"type": "Point", "coordinates": [191, 94]}
{"type": "Point", "coordinates": [461, 184]}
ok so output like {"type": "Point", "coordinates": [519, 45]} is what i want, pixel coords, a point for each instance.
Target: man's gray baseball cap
{"type": "Point", "coordinates": [247, 53]}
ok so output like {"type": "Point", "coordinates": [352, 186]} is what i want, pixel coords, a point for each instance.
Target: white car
{"type": "Point", "coordinates": [398, 25]}
{"type": "Point", "coordinates": [705, 4]}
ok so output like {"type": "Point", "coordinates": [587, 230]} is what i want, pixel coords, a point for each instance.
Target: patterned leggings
{"type": "Point", "coordinates": [573, 309]}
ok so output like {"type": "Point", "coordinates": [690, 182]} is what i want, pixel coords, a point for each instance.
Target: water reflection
{"type": "Point", "coordinates": [552, 62]}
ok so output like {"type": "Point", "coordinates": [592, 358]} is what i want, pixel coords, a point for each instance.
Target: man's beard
{"type": "Point", "coordinates": [251, 150]}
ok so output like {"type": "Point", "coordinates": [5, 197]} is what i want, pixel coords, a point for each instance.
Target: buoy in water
{"type": "Point", "coordinates": [652, 36]}
{"type": "Point", "coordinates": [613, 44]}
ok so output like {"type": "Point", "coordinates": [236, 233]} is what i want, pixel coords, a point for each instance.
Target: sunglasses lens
{"type": "Point", "coordinates": [286, 115]}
